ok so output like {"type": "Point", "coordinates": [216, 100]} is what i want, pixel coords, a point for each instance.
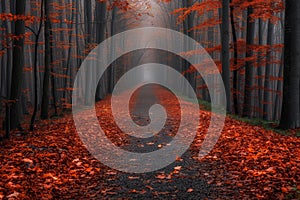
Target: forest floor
{"type": "Point", "coordinates": [248, 162]}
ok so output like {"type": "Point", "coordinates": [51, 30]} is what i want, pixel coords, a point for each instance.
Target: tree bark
{"type": "Point", "coordinates": [35, 69]}
{"type": "Point", "coordinates": [290, 117]}
{"type": "Point", "coordinates": [247, 107]}
{"type": "Point", "coordinates": [7, 75]}
{"type": "Point", "coordinates": [267, 102]}
{"type": "Point", "coordinates": [188, 24]}
{"type": "Point", "coordinates": [226, 52]}
{"type": "Point", "coordinates": [113, 65]}
{"type": "Point", "coordinates": [235, 62]}
{"type": "Point", "coordinates": [88, 40]}
{"type": "Point", "coordinates": [100, 27]}
{"type": "Point", "coordinates": [260, 68]}
{"type": "Point", "coordinates": [17, 68]}
{"type": "Point", "coordinates": [46, 81]}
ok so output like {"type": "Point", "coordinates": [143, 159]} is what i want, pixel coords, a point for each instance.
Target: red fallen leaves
{"type": "Point", "coordinates": [257, 161]}
{"type": "Point", "coordinates": [52, 162]}
{"type": "Point", "coordinates": [164, 176]}
{"type": "Point", "coordinates": [139, 192]}
{"type": "Point", "coordinates": [254, 161]}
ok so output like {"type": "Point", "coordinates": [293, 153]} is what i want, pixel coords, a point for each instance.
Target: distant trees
{"type": "Point", "coordinates": [247, 36]}
{"type": "Point", "coordinates": [243, 37]}
{"type": "Point", "coordinates": [42, 48]}
{"type": "Point", "coordinates": [291, 94]}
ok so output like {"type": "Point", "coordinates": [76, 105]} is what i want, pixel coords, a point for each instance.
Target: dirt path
{"type": "Point", "coordinates": [248, 162]}
{"type": "Point", "coordinates": [180, 180]}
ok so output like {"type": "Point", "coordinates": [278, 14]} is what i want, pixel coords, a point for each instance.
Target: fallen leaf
{"type": "Point", "coordinates": [284, 190]}
{"type": "Point", "coordinates": [13, 195]}
{"type": "Point", "coordinates": [190, 190]}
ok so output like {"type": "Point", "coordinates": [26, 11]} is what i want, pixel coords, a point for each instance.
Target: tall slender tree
{"type": "Point", "coordinates": [46, 81]}
{"type": "Point", "coordinates": [8, 75]}
{"type": "Point", "coordinates": [35, 67]}
{"type": "Point", "coordinates": [290, 117]}
{"type": "Point", "coordinates": [226, 51]}
{"type": "Point", "coordinates": [235, 62]}
{"type": "Point", "coordinates": [18, 65]}
{"type": "Point", "coordinates": [250, 37]}
{"type": "Point", "coordinates": [267, 103]}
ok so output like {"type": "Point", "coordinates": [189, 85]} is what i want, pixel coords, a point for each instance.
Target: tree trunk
{"type": "Point", "coordinates": [46, 81]}
{"type": "Point", "coordinates": [260, 68]}
{"type": "Point", "coordinates": [113, 65]}
{"type": "Point", "coordinates": [267, 102]}
{"type": "Point", "coordinates": [290, 117]}
{"type": "Point", "coordinates": [100, 16]}
{"type": "Point", "coordinates": [188, 24]}
{"type": "Point", "coordinates": [247, 107]}
{"type": "Point", "coordinates": [17, 68]}
{"type": "Point", "coordinates": [278, 98]}
{"type": "Point", "coordinates": [35, 69]}
{"type": "Point", "coordinates": [235, 62]}
{"type": "Point", "coordinates": [88, 40]}
{"type": "Point", "coordinates": [226, 52]}
{"type": "Point", "coordinates": [53, 84]}
{"type": "Point", "coordinates": [6, 76]}
{"type": "Point", "coordinates": [88, 20]}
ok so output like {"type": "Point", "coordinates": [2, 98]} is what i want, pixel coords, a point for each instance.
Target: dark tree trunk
{"type": "Point", "coordinates": [290, 117]}
{"type": "Point", "coordinates": [188, 24]}
{"type": "Point", "coordinates": [226, 52]}
{"type": "Point", "coordinates": [88, 40]}
{"type": "Point", "coordinates": [35, 74]}
{"type": "Point", "coordinates": [112, 67]}
{"type": "Point", "coordinates": [88, 20]}
{"type": "Point", "coordinates": [247, 107]}
{"type": "Point", "coordinates": [100, 14]}
{"type": "Point", "coordinates": [46, 81]}
{"type": "Point", "coordinates": [235, 62]}
{"type": "Point", "coordinates": [260, 69]}
{"type": "Point", "coordinates": [35, 69]}
{"type": "Point", "coordinates": [100, 27]}
{"type": "Point", "coordinates": [69, 71]}
{"type": "Point", "coordinates": [6, 76]}
{"type": "Point", "coordinates": [191, 34]}
{"type": "Point", "coordinates": [17, 68]}
{"type": "Point", "coordinates": [267, 103]}
{"type": "Point", "coordinates": [53, 85]}
{"type": "Point", "coordinates": [12, 5]}
{"type": "Point", "coordinates": [278, 98]}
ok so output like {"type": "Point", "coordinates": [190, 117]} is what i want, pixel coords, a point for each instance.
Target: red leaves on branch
{"type": "Point", "coordinates": [122, 5]}
{"type": "Point", "coordinates": [12, 17]}
{"type": "Point", "coordinates": [263, 9]}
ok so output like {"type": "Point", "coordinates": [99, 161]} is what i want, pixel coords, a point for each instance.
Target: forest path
{"type": "Point", "coordinates": [248, 162]}
{"type": "Point", "coordinates": [181, 179]}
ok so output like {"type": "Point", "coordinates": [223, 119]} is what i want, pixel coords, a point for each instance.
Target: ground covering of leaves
{"type": "Point", "coordinates": [248, 162]}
